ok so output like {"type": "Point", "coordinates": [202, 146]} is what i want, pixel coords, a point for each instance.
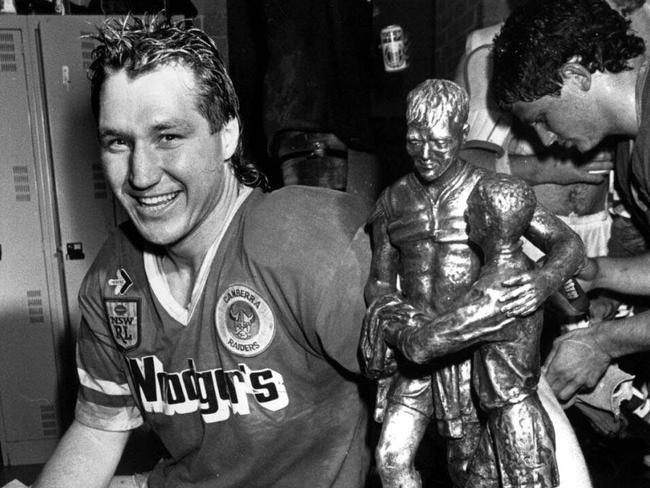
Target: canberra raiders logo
{"type": "Point", "coordinates": [244, 321]}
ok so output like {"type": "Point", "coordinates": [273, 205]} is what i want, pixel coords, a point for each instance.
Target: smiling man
{"type": "Point", "coordinates": [235, 337]}
{"type": "Point", "coordinates": [577, 72]}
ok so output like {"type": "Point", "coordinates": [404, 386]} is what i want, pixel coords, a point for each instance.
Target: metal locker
{"type": "Point", "coordinates": [86, 212]}
{"type": "Point", "coordinates": [30, 293]}
{"type": "Point", "coordinates": [56, 213]}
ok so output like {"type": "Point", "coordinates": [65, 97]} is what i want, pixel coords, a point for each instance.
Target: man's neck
{"type": "Point", "coordinates": [182, 261]}
{"type": "Point", "coordinates": [618, 95]}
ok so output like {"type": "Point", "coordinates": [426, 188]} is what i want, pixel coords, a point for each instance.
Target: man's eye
{"type": "Point", "coordinates": [415, 142]}
{"type": "Point", "coordinates": [169, 139]}
{"type": "Point", "coordinates": [115, 144]}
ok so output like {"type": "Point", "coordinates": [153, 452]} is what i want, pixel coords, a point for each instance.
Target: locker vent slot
{"type": "Point", "coordinates": [8, 53]}
{"type": "Point", "coordinates": [48, 421]}
{"type": "Point", "coordinates": [35, 307]}
{"type": "Point", "coordinates": [87, 46]}
{"type": "Point", "coordinates": [99, 183]}
{"type": "Point", "coordinates": [21, 183]}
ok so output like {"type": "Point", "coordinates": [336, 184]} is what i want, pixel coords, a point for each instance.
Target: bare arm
{"type": "Point", "coordinates": [84, 458]}
{"type": "Point", "coordinates": [630, 275]}
{"type": "Point", "coordinates": [579, 358]}
{"type": "Point", "coordinates": [535, 171]}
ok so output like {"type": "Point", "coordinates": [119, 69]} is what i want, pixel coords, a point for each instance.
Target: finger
{"type": "Point", "coordinates": [517, 280]}
{"type": "Point", "coordinates": [526, 304]}
{"type": "Point", "coordinates": [567, 391]}
{"type": "Point", "coordinates": [517, 293]}
{"type": "Point", "coordinates": [523, 311]}
{"type": "Point", "coordinates": [602, 166]}
{"type": "Point", "coordinates": [555, 384]}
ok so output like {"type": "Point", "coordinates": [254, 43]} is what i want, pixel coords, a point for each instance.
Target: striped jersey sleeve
{"type": "Point", "coordinates": [104, 399]}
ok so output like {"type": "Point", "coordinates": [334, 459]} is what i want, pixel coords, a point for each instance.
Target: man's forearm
{"type": "Point", "coordinates": [84, 458]}
{"type": "Point", "coordinates": [629, 275]}
{"type": "Point", "coordinates": [625, 336]}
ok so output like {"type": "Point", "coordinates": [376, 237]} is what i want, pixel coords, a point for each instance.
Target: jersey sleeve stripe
{"type": "Point", "coordinates": [107, 418]}
{"type": "Point", "coordinates": [100, 398]}
{"type": "Point", "coordinates": [103, 386]}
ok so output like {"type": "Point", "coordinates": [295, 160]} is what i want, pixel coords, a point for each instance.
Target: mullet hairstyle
{"type": "Point", "coordinates": [540, 36]}
{"type": "Point", "coordinates": [139, 46]}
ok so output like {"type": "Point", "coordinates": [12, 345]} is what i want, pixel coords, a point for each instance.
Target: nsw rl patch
{"type": "Point", "coordinates": [123, 317]}
{"type": "Point", "coordinates": [245, 323]}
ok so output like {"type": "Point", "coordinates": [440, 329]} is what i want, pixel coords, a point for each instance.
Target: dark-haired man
{"type": "Point", "coordinates": [233, 328]}
{"type": "Point", "coordinates": [576, 72]}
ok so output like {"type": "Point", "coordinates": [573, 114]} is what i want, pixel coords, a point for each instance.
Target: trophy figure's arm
{"type": "Point", "coordinates": [382, 279]}
{"type": "Point", "coordinates": [565, 256]}
{"type": "Point", "coordinates": [422, 338]}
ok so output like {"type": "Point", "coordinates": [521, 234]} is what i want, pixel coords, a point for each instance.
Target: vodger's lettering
{"type": "Point", "coordinates": [214, 392]}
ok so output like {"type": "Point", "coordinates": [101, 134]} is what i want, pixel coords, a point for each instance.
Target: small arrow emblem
{"type": "Point", "coordinates": [122, 283]}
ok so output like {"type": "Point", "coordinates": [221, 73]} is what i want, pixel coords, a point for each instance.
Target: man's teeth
{"type": "Point", "coordinates": [157, 200]}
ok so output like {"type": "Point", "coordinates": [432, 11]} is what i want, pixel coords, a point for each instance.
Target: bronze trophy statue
{"type": "Point", "coordinates": [453, 306]}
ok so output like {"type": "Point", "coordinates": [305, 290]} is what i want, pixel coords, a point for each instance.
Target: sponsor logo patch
{"type": "Point", "coordinates": [124, 321]}
{"type": "Point", "coordinates": [244, 321]}
{"type": "Point", "coordinates": [122, 282]}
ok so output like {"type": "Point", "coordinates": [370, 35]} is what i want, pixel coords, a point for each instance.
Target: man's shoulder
{"type": "Point", "coordinates": [297, 205]}
{"type": "Point", "coordinates": [123, 247]}
{"type": "Point", "coordinates": [301, 217]}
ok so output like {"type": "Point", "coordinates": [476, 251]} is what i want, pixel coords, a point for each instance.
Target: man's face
{"type": "Point", "coordinates": [434, 148]}
{"type": "Point", "coordinates": [570, 119]}
{"type": "Point", "coordinates": [160, 159]}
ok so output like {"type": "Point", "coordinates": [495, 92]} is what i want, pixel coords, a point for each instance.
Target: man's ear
{"type": "Point", "coordinates": [574, 72]}
{"type": "Point", "coordinates": [229, 138]}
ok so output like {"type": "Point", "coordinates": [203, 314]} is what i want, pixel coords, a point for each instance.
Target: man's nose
{"type": "Point", "coordinates": [144, 169]}
{"type": "Point", "coordinates": [546, 136]}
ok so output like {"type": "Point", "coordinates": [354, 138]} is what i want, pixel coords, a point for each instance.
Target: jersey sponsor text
{"type": "Point", "coordinates": [214, 392]}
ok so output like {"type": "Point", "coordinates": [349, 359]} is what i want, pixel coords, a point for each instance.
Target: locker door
{"type": "Point", "coordinates": [85, 205]}
{"type": "Point", "coordinates": [28, 374]}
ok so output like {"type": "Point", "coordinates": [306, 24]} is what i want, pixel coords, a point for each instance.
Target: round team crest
{"type": "Point", "coordinates": [245, 323]}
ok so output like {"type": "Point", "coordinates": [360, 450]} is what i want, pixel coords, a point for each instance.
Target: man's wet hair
{"type": "Point", "coordinates": [539, 37]}
{"type": "Point", "coordinates": [141, 45]}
